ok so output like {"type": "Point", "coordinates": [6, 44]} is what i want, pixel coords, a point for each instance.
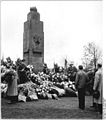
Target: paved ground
{"type": "Point", "coordinates": [65, 108]}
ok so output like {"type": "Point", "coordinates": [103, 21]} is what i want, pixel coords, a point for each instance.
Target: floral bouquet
{"type": "Point", "coordinates": [9, 74]}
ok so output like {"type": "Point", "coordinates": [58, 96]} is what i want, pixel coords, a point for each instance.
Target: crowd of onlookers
{"type": "Point", "coordinates": [58, 75]}
{"type": "Point", "coordinates": [20, 82]}
{"type": "Point", "coordinates": [54, 81]}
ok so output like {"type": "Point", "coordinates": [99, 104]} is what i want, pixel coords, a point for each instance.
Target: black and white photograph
{"type": "Point", "coordinates": [52, 60]}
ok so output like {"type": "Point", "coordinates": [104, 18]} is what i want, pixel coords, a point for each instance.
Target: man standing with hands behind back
{"type": "Point", "coordinates": [80, 83]}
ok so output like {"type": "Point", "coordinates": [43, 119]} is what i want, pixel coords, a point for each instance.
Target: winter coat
{"type": "Point", "coordinates": [12, 86]}
{"type": "Point", "coordinates": [98, 85]}
{"type": "Point", "coordinates": [81, 79]}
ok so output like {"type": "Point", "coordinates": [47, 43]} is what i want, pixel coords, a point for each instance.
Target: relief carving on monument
{"type": "Point", "coordinates": [37, 43]}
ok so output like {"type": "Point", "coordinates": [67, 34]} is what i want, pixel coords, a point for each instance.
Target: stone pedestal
{"type": "Point", "coordinates": [33, 41]}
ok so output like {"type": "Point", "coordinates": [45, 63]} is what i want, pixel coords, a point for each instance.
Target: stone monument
{"type": "Point", "coordinates": [33, 40]}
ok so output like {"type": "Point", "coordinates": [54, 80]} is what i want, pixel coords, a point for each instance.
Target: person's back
{"type": "Point", "coordinates": [81, 79]}
{"type": "Point", "coordinates": [80, 83]}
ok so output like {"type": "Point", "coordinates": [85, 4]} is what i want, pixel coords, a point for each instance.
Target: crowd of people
{"type": "Point", "coordinates": [80, 83]}
{"type": "Point", "coordinates": [46, 84]}
{"type": "Point", "coordinates": [20, 83]}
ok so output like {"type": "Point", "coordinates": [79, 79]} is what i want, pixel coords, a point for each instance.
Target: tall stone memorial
{"type": "Point", "coordinates": [33, 41]}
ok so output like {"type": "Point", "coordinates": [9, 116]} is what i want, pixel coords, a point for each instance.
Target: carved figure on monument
{"type": "Point", "coordinates": [37, 46]}
{"type": "Point", "coordinates": [33, 40]}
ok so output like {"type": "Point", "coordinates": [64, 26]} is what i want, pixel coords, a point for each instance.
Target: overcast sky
{"type": "Point", "coordinates": [68, 26]}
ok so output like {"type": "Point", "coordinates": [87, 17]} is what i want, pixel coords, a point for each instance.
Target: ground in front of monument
{"type": "Point", "coordinates": [64, 108]}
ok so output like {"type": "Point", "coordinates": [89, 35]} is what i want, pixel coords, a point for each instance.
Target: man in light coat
{"type": "Point", "coordinates": [80, 83]}
{"type": "Point", "coordinates": [98, 85]}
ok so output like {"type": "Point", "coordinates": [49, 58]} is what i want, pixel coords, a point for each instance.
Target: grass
{"type": "Point", "coordinates": [64, 108]}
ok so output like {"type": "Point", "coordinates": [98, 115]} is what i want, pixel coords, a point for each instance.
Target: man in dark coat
{"type": "Point", "coordinates": [80, 83]}
{"type": "Point", "coordinates": [21, 69]}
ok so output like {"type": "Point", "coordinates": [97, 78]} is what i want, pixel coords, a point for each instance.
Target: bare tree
{"type": "Point", "coordinates": [92, 54]}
